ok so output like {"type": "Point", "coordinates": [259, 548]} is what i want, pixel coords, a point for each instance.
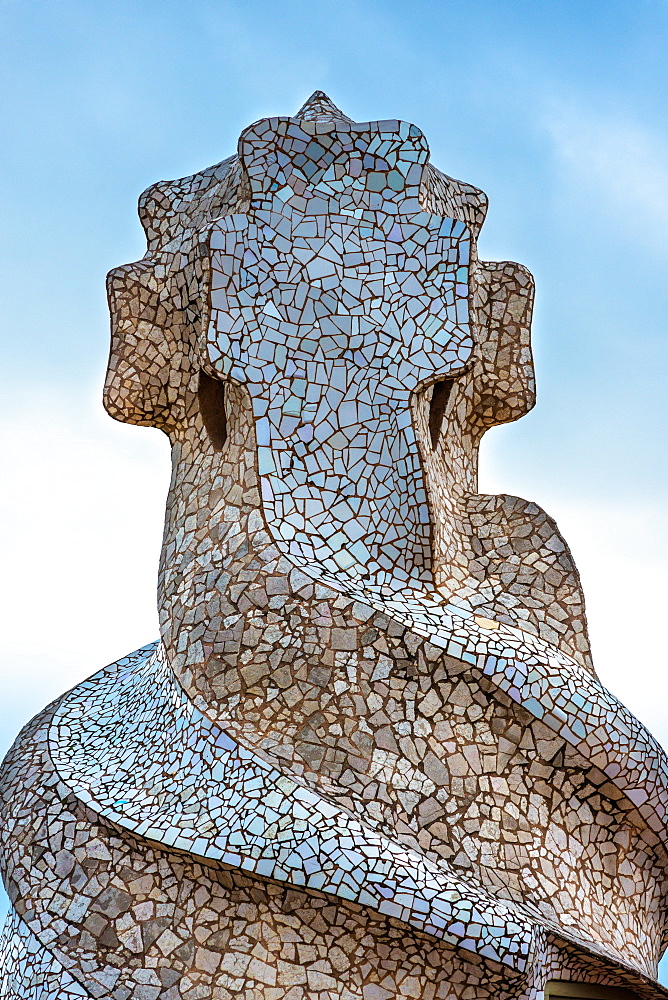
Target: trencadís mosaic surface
{"type": "Point", "coordinates": [369, 757]}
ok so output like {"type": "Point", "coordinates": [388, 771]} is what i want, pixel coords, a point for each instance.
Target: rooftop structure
{"type": "Point", "coordinates": [369, 756]}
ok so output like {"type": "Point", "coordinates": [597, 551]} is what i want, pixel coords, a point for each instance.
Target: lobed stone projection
{"type": "Point", "coordinates": [369, 757]}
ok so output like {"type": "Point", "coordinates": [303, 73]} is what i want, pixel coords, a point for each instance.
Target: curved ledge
{"type": "Point", "coordinates": [544, 681]}
{"type": "Point", "coordinates": [118, 738]}
{"type": "Point", "coordinates": [132, 746]}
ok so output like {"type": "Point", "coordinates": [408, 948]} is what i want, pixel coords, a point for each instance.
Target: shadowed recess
{"type": "Point", "coordinates": [211, 398]}
{"type": "Point", "coordinates": [439, 400]}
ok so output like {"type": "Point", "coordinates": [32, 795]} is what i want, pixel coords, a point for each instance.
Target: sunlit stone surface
{"type": "Point", "coordinates": [369, 757]}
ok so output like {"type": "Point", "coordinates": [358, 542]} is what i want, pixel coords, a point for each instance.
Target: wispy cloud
{"type": "Point", "coordinates": [612, 161]}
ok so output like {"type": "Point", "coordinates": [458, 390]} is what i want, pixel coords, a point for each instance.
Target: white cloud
{"type": "Point", "coordinates": [81, 514]}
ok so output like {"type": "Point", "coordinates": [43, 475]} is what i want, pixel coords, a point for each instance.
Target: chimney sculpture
{"type": "Point", "coordinates": [369, 757]}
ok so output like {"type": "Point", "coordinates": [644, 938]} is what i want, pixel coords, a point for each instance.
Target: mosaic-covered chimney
{"type": "Point", "coordinates": [369, 756]}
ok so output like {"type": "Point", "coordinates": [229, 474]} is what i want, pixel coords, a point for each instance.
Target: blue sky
{"type": "Point", "coordinates": [555, 108]}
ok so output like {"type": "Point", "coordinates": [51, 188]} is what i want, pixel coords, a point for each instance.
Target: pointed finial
{"type": "Point", "coordinates": [319, 108]}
